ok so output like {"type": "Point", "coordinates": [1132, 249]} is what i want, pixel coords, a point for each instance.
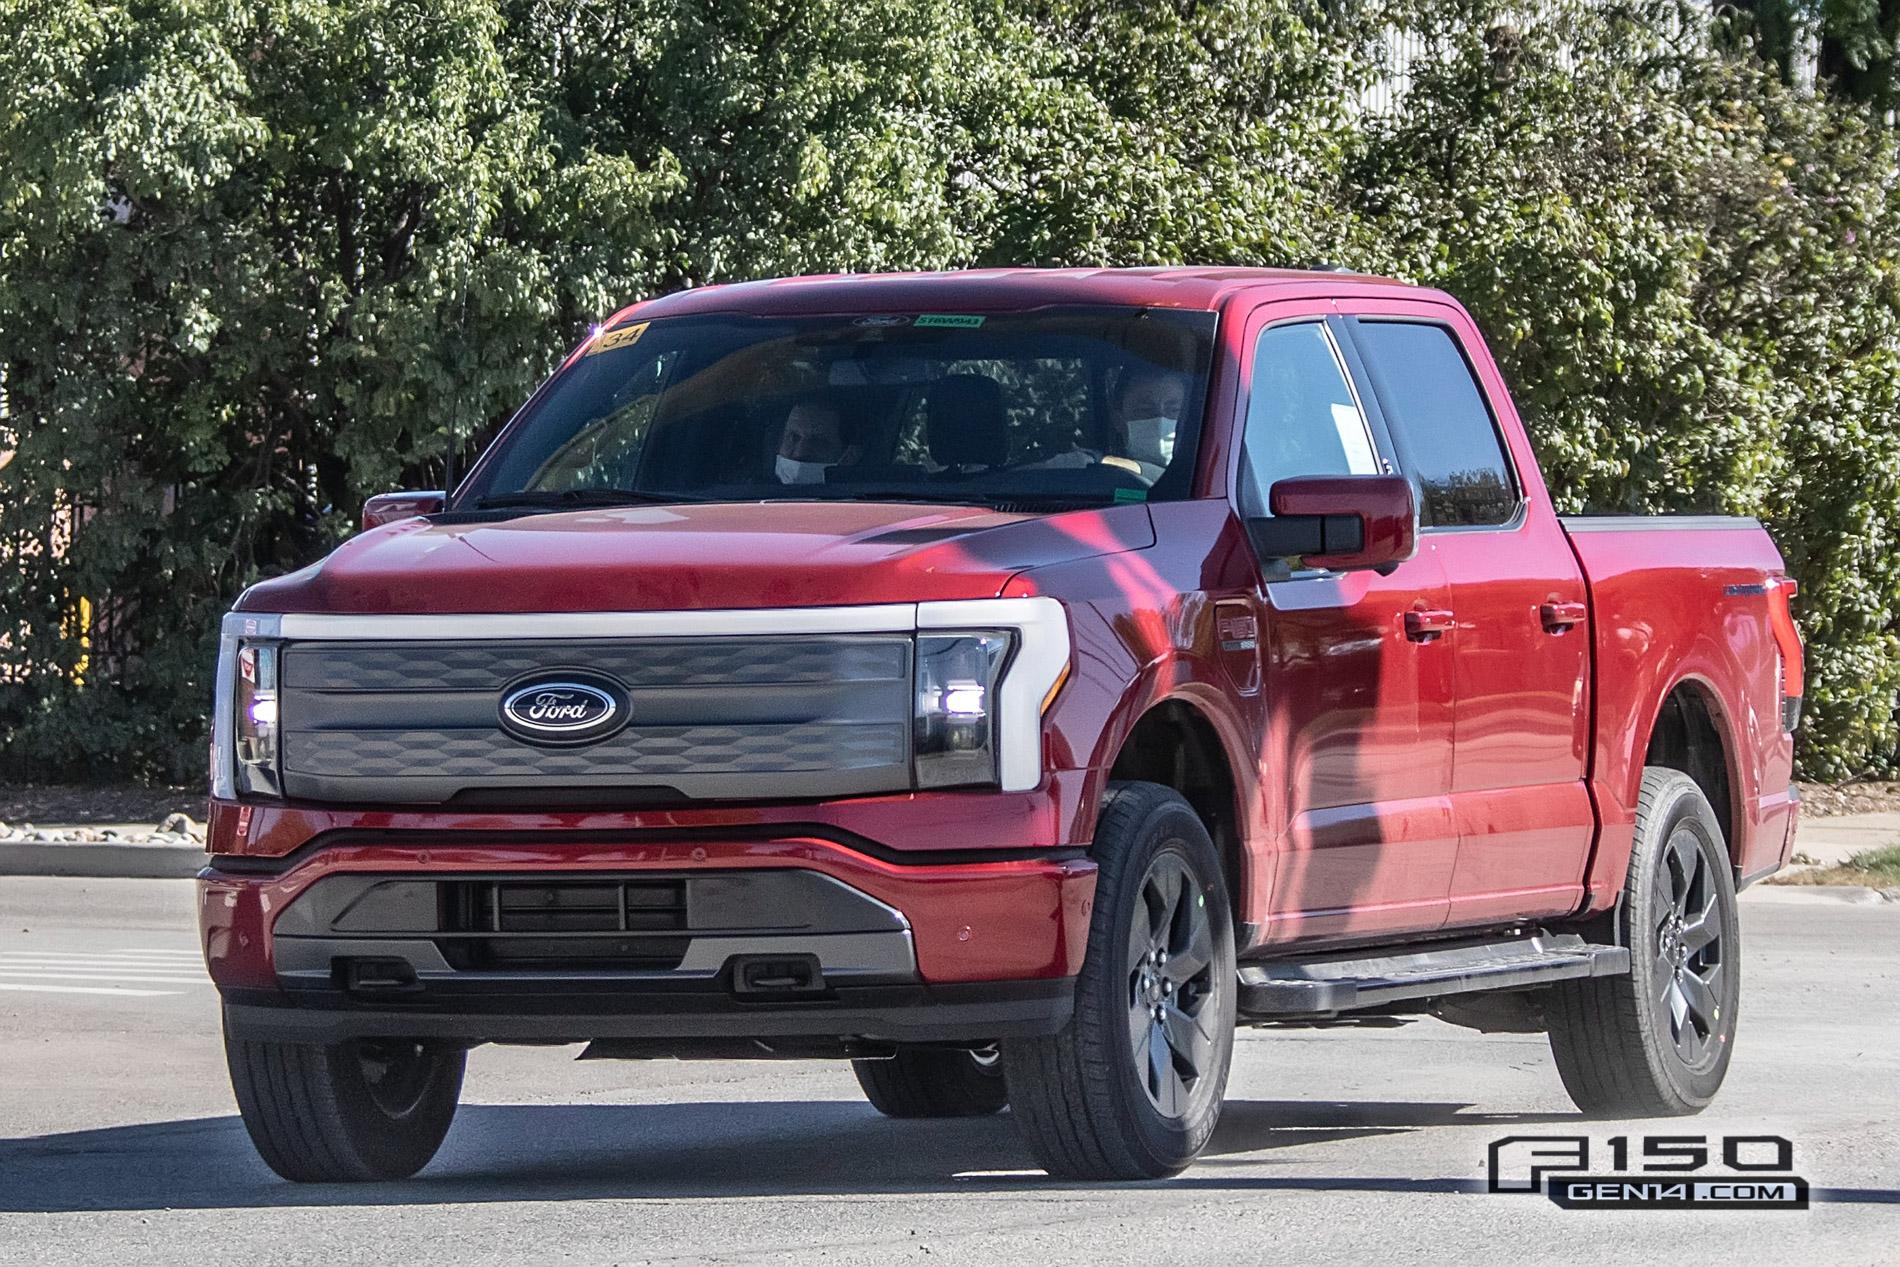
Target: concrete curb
{"type": "Point", "coordinates": [100, 860]}
{"type": "Point", "coordinates": [1841, 894]}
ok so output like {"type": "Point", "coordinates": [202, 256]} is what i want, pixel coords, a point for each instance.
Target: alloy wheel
{"type": "Point", "coordinates": [395, 1073]}
{"type": "Point", "coordinates": [1173, 992]}
{"type": "Point", "coordinates": [1686, 981]}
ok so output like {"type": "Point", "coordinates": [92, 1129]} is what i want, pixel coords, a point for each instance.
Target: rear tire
{"type": "Point", "coordinates": [1159, 978]}
{"type": "Point", "coordinates": [346, 1112]}
{"type": "Point", "coordinates": [1657, 1042]}
{"type": "Point", "coordinates": [933, 1082]}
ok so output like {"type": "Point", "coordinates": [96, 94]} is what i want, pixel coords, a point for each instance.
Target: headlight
{"type": "Point", "coordinates": [955, 719]}
{"type": "Point", "coordinates": [254, 719]}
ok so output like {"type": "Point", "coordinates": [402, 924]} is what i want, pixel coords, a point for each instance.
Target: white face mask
{"type": "Point", "coordinates": [1151, 440]}
{"type": "Point", "coordinates": [793, 471]}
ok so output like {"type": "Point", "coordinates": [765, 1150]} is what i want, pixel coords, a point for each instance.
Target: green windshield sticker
{"type": "Point", "coordinates": [951, 320]}
{"type": "Point", "coordinates": [1131, 494]}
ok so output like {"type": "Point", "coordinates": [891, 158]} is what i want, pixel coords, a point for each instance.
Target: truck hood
{"type": "Point", "coordinates": [696, 557]}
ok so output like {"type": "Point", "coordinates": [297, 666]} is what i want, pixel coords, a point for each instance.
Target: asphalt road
{"type": "Point", "coordinates": [119, 1142]}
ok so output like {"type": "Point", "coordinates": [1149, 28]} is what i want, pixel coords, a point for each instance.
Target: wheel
{"type": "Point", "coordinates": [1131, 1088]}
{"type": "Point", "coordinates": [933, 1082]}
{"type": "Point", "coordinates": [348, 1112]}
{"type": "Point", "coordinates": [1656, 1043]}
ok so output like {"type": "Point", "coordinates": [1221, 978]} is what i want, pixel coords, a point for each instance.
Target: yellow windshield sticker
{"type": "Point", "coordinates": [624, 337]}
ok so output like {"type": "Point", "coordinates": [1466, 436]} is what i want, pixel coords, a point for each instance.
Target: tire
{"type": "Point", "coordinates": [348, 1112]}
{"type": "Point", "coordinates": [1087, 1108]}
{"type": "Point", "coordinates": [933, 1082]}
{"type": "Point", "coordinates": [1656, 1043]}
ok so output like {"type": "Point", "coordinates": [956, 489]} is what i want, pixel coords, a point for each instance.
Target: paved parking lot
{"type": "Point", "coordinates": [119, 1141]}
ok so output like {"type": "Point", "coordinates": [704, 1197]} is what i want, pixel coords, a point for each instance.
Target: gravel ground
{"type": "Point", "coordinates": [173, 829]}
{"type": "Point", "coordinates": [68, 804]}
{"type": "Point", "coordinates": [1821, 800]}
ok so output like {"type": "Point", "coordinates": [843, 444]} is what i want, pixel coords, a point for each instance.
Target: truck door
{"type": "Point", "coordinates": [1358, 686]}
{"type": "Point", "coordinates": [1520, 636]}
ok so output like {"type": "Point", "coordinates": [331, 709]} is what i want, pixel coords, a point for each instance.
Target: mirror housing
{"type": "Point", "coordinates": [1342, 522]}
{"type": "Point", "coordinates": [387, 508]}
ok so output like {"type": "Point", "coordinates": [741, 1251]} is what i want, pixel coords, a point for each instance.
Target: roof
{"type": "Point", "coordinates": [999, 289]}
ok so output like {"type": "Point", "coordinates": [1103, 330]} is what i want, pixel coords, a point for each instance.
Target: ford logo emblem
{"type": "Point", "coordinates": [564, 709]}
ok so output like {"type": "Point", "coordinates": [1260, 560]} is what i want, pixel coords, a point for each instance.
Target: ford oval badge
{"type": "Point", "coordinates": [563, 709]}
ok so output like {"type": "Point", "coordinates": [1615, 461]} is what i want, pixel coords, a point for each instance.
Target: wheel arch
{"type": "Point", "coordinates": [1177, 743]}
{"type": "Point", "coordinates": [1690, 732]}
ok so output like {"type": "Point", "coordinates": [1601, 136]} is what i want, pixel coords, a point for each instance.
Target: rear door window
{"type": "Point", "coordinates": [1445, 429]}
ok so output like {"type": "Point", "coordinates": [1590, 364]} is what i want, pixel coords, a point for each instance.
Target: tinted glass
{"type": "Point", "coordinates": [1301, 417]}
{"type": "Point", "coordinates": [1447, 431]}
{"type": "Point", "coordinates": [1059, 406]}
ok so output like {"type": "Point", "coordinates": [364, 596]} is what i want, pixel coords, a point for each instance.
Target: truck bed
{"type": "Point", "coordinates": [1691, 593]}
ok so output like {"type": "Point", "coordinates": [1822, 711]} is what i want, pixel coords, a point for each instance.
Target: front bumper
{"type": "Point", "coordinates": [894, 951]}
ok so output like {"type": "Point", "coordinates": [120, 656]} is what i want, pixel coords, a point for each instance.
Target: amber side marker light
{"type": "Point", "coordinates": [1055, 688]}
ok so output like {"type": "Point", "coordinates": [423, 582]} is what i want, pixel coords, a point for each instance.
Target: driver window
{"type": "Point", "coordinates": [1301, 415]}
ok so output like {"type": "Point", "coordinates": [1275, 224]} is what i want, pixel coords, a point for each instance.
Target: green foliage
{"type": "Point", "coordinates": [1692, 278]}
{"type": "Point", "coordinates": [260, 258]}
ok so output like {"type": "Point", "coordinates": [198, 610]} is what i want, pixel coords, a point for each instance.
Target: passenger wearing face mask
{"type": "Point", "coordinates": [813, 442]}
{"type": "Point", "coordinates": [1146, 408]}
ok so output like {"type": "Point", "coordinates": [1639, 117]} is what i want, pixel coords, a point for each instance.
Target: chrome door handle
{"type": "Point", "coordinates": [1428, 626]}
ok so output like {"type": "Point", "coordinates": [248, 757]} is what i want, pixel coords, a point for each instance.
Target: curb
{"type": "Point", "coordinates": [101, 860]}
{"type": "Point", "coordinates": [1842, 894]}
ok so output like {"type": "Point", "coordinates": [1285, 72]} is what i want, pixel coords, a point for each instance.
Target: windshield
{"type": "Point", "coordinates": [1041, 410]}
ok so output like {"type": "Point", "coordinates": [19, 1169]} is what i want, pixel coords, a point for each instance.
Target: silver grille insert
{"type": "Point", "coordinates": [752, 718]}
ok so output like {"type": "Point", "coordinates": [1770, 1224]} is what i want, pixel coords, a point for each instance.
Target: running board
{"type": "Point", "coordinates": [1330, 984]}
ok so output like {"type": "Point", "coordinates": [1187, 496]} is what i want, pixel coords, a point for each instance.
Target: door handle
{"type": "Point", "coordinates": [1428, 626]}
{"type": "Point", "coordinates": [1558, 617]}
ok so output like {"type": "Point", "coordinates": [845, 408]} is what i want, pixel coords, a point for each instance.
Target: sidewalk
{"type": "Point", "coordinates": [1832, 841]}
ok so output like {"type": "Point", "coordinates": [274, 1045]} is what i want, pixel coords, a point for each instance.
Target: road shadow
{"type": "Point", "coordinates": [521, 1152]}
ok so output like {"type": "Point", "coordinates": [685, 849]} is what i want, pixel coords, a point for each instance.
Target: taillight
{"type": "Point", "coordinates": [1788, 643]}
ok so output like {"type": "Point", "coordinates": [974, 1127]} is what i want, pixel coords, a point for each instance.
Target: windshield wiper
{"type": "Point", "coordinates": [570, 498]}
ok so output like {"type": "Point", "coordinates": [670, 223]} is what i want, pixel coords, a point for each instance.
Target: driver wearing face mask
{"type": "Point", "coordinates": [1147, 407]}
{"type": "Point", "coordinates": [813, 442]}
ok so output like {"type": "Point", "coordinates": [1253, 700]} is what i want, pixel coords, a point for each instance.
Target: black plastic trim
{"type": "Point", "coordinates": [972, 1011]}
{"type": "Point", "coordinates": [1329, 983]}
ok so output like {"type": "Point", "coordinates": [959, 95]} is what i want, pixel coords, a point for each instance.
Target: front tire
{"type": "Point", "coordinates": [933, 1082]}
{"type": "Point", "coordinates": [1131, 1088]}
{"type": "Point", "coordinates": [1657, 1042]}
{"type": "Point", "coordinates": [346, 1112]}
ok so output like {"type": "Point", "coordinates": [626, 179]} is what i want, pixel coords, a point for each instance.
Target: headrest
{"type": "Point", "coordinates": [964, 422]}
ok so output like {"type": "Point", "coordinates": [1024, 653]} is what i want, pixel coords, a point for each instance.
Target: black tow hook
{"type": "Point", "coordinates": [775, 976]}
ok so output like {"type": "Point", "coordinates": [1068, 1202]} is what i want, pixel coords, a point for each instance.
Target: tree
{"type": "Point", "coordinates": [255, 259]}
{"type": "Point", "coordinates": [1689, 273]}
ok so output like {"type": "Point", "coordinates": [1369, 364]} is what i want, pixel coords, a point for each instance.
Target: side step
{"type": "Point", "coordinates": [1329, 984]}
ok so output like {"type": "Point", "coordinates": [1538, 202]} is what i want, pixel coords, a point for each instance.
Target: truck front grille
{"type": "Point", "coordinates": [732, 719]}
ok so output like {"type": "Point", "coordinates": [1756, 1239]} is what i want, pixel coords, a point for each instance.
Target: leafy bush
{"type": "Point", "coordinates": [259, 258]}
{"type": "Point", "coordinates": [1692, 278]}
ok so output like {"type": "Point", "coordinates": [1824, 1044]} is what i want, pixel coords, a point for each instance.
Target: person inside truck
{"type": "Point", "coordinates": [815, 439]}
{"type": "Point", "coordinates": [1145, 408]}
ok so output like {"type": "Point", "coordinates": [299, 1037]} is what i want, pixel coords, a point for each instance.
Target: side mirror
{"type": "Point", "coordinates": [387, 508]}
{"type": "Point", "coordinates": [1342, 522]}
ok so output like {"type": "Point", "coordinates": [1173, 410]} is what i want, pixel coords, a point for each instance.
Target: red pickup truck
{"type": "Point", "coordinates": [1010, 681]}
